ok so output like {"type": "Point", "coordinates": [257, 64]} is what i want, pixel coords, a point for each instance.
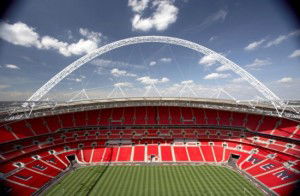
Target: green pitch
{"type": "Point", "coordinates": [154, 181]}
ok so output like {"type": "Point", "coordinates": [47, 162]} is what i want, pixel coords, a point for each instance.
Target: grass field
{"type": "Point", "coordinates": [153, 181]}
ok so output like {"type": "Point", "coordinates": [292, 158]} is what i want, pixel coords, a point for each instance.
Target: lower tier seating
{"type": "Point", "coordinates": [30, 171]}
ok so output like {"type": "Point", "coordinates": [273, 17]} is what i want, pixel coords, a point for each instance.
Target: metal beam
{"type": "Point", "coordinates": [267, 93]}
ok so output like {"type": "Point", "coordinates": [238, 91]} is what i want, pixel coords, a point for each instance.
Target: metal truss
{"type": "Point", "coordinates": [267, 93]}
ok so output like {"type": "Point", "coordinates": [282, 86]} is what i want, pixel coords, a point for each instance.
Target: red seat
{"type": "Point", "coordinates": [166, 154]}
{"type": "Point", "coordinates": [180, 153]}
{"type": "Point", "coordinates": [139, 153]}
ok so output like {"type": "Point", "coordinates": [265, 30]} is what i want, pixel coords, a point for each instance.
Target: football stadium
{"type": "Point", "coordinates": [151, 111]}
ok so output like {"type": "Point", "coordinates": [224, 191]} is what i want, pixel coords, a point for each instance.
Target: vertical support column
{"type": "Point", "coordinates": [92, 155]}
{"type": "Point", "coordinates": [46, 125]}
{"type": "Point", "coordinates": [81, 153]}
{"type": "Point", "coordinates": [145, 153]}
{"type": "Point", "coordinates": [213, 152]}
{"type": "Point", "coordinates": [223, 154]}
{"type": "Point", "coordinates": [103, 154]}
{"type": "Point", "coordinates": [159, 153]}
{"type": "Point", "coordinates": [187, 152]}
{"type": "Point", "coordinates": [203, 158]}
{"type": "Point", "coordinates": [132, 153]}
{"type": "Point", "coordinates": [118, 152]}
{"type": "Point", "coordinates": [28, 125]}
{"type": "Point", "coordinates": [260, 122]}
{"type": "Point", "coordinates": [59, 121]}
{"type": "Point", "coordinates": [173, 153]}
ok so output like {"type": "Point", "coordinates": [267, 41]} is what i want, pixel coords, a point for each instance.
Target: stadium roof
{"type": "Point", "coordinates": [15, 110]}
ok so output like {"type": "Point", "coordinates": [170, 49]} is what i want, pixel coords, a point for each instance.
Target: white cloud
{"type": "Point", "coordinates": [187, 82]}
{"type": "Point", "coordinates": [152, 63]}
{"type": "Point", "coordinates": [11, 66]}
{"type": "Point", "coordinates": [166, 60]}
{"type": "Point", "coordinates": [295, 54]}
{"type": "Point", "coordinates": [223, 68]}
{"type": "Point", "coordinates": [123, 84]}
{"type": "Point", "coordinates": [104, 66]}
{"type": "Point", "coordinates": [216, 76]}
{"type": "Point", "coordinates": [258, 63]}
{"type": "Point", "coordinates": [165, 14]}
{"type": "Point", "coordinates": [164, 79]}
{"type": "Point", "coordinates": [213, 38]}
{"type": "Point", "coordinates": [254, 45]}
{"type": "Point", "coordinates": [220, 15]}
{"type": "Point", "coordinates": [238, 80]}
{"type": "Point", "coordinates": [118, 73]}
{"type": "Point", "coordinates": [282, 38]}
{"type": "Point", "coordinates": [277, 41]}
{"type": "Point", "coordinates": [19, 34]}
{"type": "Point", "coordinates": [81, 47]}
{"type": "Point", "coordinates": [77, 79]}
{"type": "Point", "coordinates": [138, 5]}
{"type": "Point", "coordinates": [24, 35]}
{"type": "Point", "coordinates": [285, 80]}
{"type": "Point", "coordinates": [91, 35]}
{"type": "Point", "coordinates": [208, 60]}
{"type": "Point", "coordinates": [148, 80]}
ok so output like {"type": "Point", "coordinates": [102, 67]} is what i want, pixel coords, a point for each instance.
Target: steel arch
{"type": "Point", "coordinates": [267, 93]}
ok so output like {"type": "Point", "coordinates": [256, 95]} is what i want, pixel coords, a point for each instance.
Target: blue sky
{"type": "Point", "coordinates": [39, 38]}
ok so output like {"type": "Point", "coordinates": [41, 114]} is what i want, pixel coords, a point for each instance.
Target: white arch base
{"type": "Point", "coordinates": [267, 93]}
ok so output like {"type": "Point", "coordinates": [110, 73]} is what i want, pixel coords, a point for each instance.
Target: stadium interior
{"type": "Point", "coordinates": [34, 152]}
{"type": "Point", "coordinates": [149, 98]}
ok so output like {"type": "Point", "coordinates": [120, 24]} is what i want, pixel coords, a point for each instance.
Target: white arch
{"type": "Point", "coordinates": [267, 93]}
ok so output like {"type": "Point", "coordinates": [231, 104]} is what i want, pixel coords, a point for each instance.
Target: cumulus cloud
{"type": "Point", "coordinates": [148, 80]}
{"type": "Point", "coordinates": [166, 60]}
{"type": "Point", "coordinates": [21, 34]}
{"type": "Point", "coordinates": [123, 84]}
{"type": "Point", "coordinates": [165, 13]}
{"type": "Point", "coordinates": [164, 79]}
{"type": "Point", "coordinates": [138, 5]}
{"type": "Point", "coordinates": [285, 80]}
{"type": "Point", "coordinates": [152, 63]}
{"type": "Point", "coordinates": [118, 73]}
{"type": "Point", "coordinates": [11, 66]}
{"type": "Point", "coordinates": [216, 76]}
{"type": "Point", "coordinates": [295, 54]}
{"type": "Point", "coordinates": [254, 45]}
{"type": "Point", "coordinates": [223, 68]}
{"type": "Point", "coordinates": [258, 63]}
{"type": "Point", "coordinates": [208, 60]}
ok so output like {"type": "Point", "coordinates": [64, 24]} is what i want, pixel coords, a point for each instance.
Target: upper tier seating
{"type": "Point", "coordinates": [148, 115]}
